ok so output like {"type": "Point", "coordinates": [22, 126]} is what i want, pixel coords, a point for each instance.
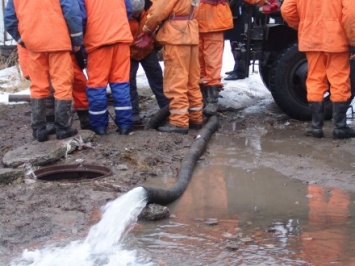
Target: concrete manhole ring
{"type": "Point", "coordinates": [72, 172]}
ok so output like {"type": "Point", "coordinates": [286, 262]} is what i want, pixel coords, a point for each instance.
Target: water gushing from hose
{"type": "Point", "coordinates": [103, 245]}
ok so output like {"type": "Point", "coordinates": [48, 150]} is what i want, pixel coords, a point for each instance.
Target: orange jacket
{"type": "Point", "coordinates": [173, 29]}
{"type": "Point", "coordinates": [136, 25]}
{"type": "Point", "coordinates": [107, 23]}
{"type": "Point", "coordinates": [42, 26]}
{"type": "Point", "coordinates": [326, 26]}
{"type": "Point", "coordinates": [214, 15]}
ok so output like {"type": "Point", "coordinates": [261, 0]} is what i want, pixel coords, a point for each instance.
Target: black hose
{"type": "Point", "coordinates": [158, 118]}
{"type": "Point", "coordinates": [163, 197]}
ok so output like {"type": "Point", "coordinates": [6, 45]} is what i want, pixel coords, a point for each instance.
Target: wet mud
{"type": "Point", "coordinates": [260, 143]}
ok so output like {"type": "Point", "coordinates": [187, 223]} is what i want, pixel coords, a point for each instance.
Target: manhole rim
{"type": "Point", "coordinates": [67, 168]}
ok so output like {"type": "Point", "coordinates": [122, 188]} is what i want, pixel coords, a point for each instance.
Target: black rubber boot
{"type": "Point", "coordinates": [204, 93]}
{"type": "Point", "coordinates": [50, 127]}
{"type": "Point", "coordinates": [38, 119]}
{"type": "Point", "coordinates": [235, 76]}
{"type": "Point", "coordinates": [62, 119]}
{"type": "Point", "coordinates": [168, 128]}
{"type": "Point", "coordinates": [212, 93]}
{"type": "Point", "coordinates": [317, 123]}
{"type": "Point", "coordinates": [341, 130]}
{"type": "Point", "coordinates": [195, 125]}
{"type": "Point", "coordinates": [124, 131]}
{"type": "Point", "coordinates": [84, 119]}
{"type": "Point", "coordinates": [50, 115]}
{"type": "Point", "coordinates": [137, 119]}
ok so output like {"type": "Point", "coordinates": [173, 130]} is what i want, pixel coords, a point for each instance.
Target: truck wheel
{"type": "Point", "coordinates": [288, 84]}
{"type": "Point", "coordinates": [265, 71]}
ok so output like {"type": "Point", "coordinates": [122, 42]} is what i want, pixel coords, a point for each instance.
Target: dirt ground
{"type": "Point", "coordinates": [41, 212]}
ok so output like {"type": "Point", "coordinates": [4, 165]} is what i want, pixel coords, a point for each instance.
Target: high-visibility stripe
{"type": "Point", "coordinates": [179, 111]}
{"type": "Point", "coordinates": [76, 34]}
{"type": "Point", "coordinates": [98, 112]}
{"type": "Point", "coordinates": [123, 108]}
{"type": "Point", "coordinates": [195, 108]}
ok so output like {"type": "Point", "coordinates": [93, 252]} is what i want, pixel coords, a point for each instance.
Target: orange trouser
{"type": "Point", "coordinates": [51, 67]}
{"type": "Point", "coordinates": [211, 47]}
{"type": "Point", "coordinates": [79, 87]}
{"type": "Point", "coordinates": [109, 64]}
{"type": "Point", "coordinates": [328, 68]}
{"type": "Point", "coordinates": [181, 76]}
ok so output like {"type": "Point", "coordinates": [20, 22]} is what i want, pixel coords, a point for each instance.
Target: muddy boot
{"type": "Point", "coordinates": [50, 127]}
{"type": "Point", "coordinates": [137, 119]}
{"type": "Point", "coordinates": [203, 92]}
{"type": "Point", "coordinates": [341, 130]}
{"type": "Point", "coordinates": [195, 125]}
{"type": "Point", "coordinates": [212, 93]}
{"type": "Point", "coordinates": [169, 128]}
{"type": "Point", "coordinates": [38, 119]}
{"type": "Point", "coordinates": [84, 119]}
{"type": "Point", "coordinates": [62, 119]}
{"type": "Point", "coordinates": [316, 129]}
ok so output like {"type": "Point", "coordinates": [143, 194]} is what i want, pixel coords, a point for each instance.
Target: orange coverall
{"type": "Point", "coordinates": [325, 32]}
{"type": "Point", "coordinates": [214, 17]}
{"type": "Point", "coordinates": [79, 85]}
{"type": "Point", "coordinates": [107, 41]}
{"type": "Point", "coordinates": [179, 36]}
{"type": "Point", "coordinates": [46, 58]}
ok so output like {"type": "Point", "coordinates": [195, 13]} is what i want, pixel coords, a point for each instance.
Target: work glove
{"type": "Point", "coordinates": [81, 58]}
{"type": "Point", "coordinates": [143, 40]}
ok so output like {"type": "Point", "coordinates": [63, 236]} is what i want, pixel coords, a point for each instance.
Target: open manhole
{"type": "Point", "coordinates": [72, 173]}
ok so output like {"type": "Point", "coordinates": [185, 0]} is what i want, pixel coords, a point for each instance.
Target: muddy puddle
{"type": "Point", "coordinates": [262, 194]}
{"type": "Point", "coordinates": [258, 201]}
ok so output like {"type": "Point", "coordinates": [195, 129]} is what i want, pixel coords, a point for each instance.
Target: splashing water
{"type": "Point", "coordinates": [103, 245]}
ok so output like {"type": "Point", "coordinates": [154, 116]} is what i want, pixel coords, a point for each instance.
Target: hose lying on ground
{"type": "Point", "coordinates": [162, 196]}
{"type": "Point", "coordinates": [158, 117]}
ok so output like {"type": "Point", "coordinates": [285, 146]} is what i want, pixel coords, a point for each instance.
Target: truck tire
{"type": "Point", "coordinates": [288, 84]}
{"type": "Point", "coordinates": [264, 71]}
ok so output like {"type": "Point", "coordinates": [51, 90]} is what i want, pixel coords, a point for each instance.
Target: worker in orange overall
{"type": "Point", "coordinates": [214, 17]}
{"type": "Point", "coordinates": [178, 33]}
{"type": "Point", "coordinates": [326, 34]}
{"type": "Point", "coordinates": [107, 42]}
{"type": "Point", "coordinates": [80, 100]}
{"type": "Point", "coordinates": [147, 58]}
{"type": "Point", "coordinates": [49, 40]}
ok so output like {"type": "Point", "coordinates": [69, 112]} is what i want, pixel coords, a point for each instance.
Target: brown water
{"type": "Point", "coordinates": [264, 216]}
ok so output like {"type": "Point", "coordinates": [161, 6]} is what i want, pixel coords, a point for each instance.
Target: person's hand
{"type": "Point", "coordinates": [352, 56]}
{"type": "Point", "coordinates": [143, 40]}
{"type": "Point", "coordinates": [76, 48]}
